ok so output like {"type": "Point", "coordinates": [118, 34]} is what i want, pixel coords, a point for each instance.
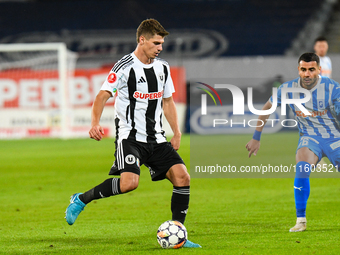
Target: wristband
{"type": "Point", "coordinates": [257, 135]}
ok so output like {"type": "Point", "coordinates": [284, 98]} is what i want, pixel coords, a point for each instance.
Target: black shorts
{"type": "Point", "coordinates": [159, 158]}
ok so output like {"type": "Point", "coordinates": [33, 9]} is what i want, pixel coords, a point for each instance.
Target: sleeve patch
{"type": "Point", "coordinates": [112, 78]}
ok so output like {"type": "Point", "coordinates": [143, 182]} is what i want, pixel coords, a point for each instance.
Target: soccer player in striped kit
{"type": "Point", "coordinates": [319, 132]}
{"type": "Point", "coordinates": [144, 90]}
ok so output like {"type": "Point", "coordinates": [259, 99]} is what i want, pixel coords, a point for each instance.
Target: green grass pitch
{"type": "Point", "coordinates": [226, 216]}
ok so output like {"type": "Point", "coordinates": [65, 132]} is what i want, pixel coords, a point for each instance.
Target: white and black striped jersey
{"type": "Point", "coordinates": [140, 89]}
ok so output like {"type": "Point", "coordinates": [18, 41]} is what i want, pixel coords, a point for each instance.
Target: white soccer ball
{"type": "Point", "coordinates": [172, 234]}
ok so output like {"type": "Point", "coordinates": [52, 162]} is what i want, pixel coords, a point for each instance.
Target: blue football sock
{"type": "Point", "coordinates": [301, 187]}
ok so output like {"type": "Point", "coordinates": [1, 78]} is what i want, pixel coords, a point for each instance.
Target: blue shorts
{"type": "Point", "coordinates": [322, 147]}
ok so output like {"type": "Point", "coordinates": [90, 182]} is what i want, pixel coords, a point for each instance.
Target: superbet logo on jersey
{"type": "Point", "coordinates": [151, 96]}
{"type": "Point", "coordinates": [112, 78]}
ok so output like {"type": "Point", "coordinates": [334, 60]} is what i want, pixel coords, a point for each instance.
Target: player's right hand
{"type": "Point", "coordinates": [96, 132]}
{"type": "Point", "coordinates": [253, 146]}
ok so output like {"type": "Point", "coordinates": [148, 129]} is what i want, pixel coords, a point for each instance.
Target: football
{"type": "Point", "coordinates": [172, 234]}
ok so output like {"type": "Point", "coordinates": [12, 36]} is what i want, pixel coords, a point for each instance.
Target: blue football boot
{"type": "Point", "coordinates": [73, 210]}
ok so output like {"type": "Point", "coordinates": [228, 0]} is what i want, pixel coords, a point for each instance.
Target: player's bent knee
{"type": "Point", "coordinates": [303, 169]}
{"type": "Point", "coordinates": [182, 180]}
{"type": "Point", "coordinates": [127, 187]}
{"type": "Point", "coordinates": [186, 179]}
{"type": "Point", "coordinates": [179, 176]}
{"type": "Point", "coordinates": [128, 182]}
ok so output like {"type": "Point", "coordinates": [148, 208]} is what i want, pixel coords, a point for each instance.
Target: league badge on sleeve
{"type": "Point", "coordinates": [112, 78]}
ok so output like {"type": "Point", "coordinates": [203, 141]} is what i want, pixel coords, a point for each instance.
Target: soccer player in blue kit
{"type": "Point", "coordinates": [319, 131]}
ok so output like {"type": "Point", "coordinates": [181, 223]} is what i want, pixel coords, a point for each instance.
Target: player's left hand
{"type": "Point", "coordinates": [253, 146]}
{"type": "Point", "coordinates": [176, 141]}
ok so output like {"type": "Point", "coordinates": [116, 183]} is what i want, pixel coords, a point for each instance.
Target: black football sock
{"type": "Point", "coordinates": [109, 187]}
{"type": "Point", "coordinates": [180, 203]}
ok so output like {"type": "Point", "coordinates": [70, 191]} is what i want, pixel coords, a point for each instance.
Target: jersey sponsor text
{"type": "Point", "coordinates": [313, 113]}
{"type": "Point", "coordinates": [151, 96]}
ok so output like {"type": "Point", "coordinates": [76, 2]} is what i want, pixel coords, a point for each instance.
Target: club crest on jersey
{"type": "Point", "coordinates": [321, 104]}
{"type": "Point", "coordinates": [112, 78]}
{"type": "Point", "coordinates": [161, 76]}
{"type": "Point", "coordinates": [151, 96]}
{"type": "Point", "coordinates": [130, 159]}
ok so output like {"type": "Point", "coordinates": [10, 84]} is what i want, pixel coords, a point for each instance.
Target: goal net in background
{"type": "Point", "coordinates": [43, 95]}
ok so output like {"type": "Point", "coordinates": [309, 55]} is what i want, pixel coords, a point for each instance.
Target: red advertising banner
{"type": "Point", "coordinates": [30, 102]}
{"type": "Point", "coordinates": [40, 88]}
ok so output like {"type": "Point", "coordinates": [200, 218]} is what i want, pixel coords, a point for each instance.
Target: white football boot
{"type": "Point", "coordinates": [301, 225]}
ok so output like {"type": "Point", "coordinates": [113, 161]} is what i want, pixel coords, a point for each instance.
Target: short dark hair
{"type": "Point", "coordinates": [320, 39]}
{"type": "Point", "coordinates": [149, 28]}
{"type": "Point", "coordinates": [308, 57]}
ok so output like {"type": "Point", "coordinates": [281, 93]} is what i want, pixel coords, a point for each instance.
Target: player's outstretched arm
{"type": "Point", "coordinates": [170, 113]}
{"type": "Point", "coordinates": [254, 144]}
{"type": "Point", "coordinates": [96, 132]}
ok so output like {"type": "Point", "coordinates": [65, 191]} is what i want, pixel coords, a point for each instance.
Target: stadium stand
{"type": "Point", "coordinates": [332, 31]}
{"type": "Point", "coordinates": [252, 27]}
{"type": "Point", "coordinates": [313, 28]}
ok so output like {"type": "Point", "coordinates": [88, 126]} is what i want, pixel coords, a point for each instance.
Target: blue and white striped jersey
{"type": "Point", "coordinates": [324, 107]}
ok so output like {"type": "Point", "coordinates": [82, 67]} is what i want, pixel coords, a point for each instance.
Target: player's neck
{"type": "Point", "coordinates": [142, 57]}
